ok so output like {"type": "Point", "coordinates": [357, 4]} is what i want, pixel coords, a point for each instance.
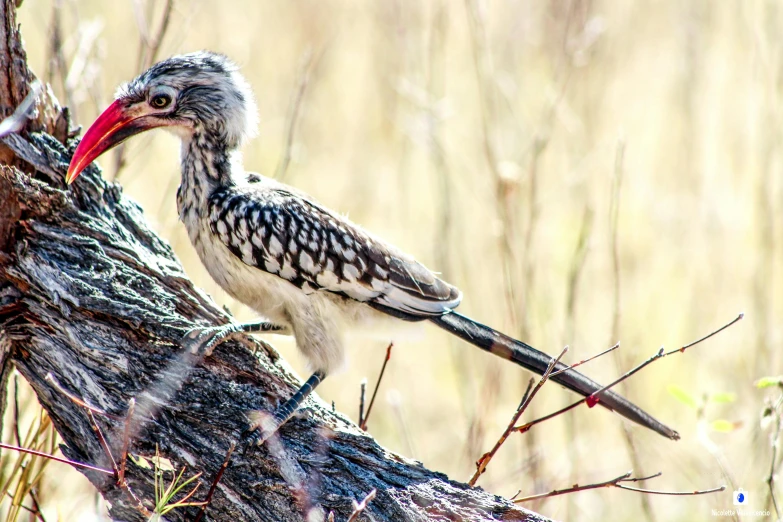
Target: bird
{"type": "Point", "coordinates": [308, 271]}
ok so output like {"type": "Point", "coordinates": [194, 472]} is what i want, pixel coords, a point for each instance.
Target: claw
{"type": "Point", "coordinates": [261, 426]}
{"type": "Point", "coordinates": [249, 439]}
{"type": "Point", "coordinates": [202, 341]}
{"type": "Point", "coordinates": [248, 342]}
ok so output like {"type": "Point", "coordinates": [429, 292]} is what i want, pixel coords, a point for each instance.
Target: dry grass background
{"type": "Point", "coordinates": [488, 139]}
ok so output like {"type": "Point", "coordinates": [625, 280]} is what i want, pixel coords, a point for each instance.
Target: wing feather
{"type": "Point", "coordinates": [270, 227]}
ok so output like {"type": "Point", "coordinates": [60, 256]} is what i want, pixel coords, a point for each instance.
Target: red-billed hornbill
{"type": "Point", "coordinates": [309, 271]}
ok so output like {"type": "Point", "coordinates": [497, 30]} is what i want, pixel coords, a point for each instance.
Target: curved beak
{"type": "Point", "coordinates": [114, 126]}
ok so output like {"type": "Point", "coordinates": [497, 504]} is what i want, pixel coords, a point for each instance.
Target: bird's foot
{"type": "Point", "coordinates": [262, 425]}
{"type": "Point", "coordinates": [202, 341]}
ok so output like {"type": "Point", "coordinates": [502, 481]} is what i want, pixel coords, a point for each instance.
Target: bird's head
{"type": "Point", "coordinates": [199, 93]}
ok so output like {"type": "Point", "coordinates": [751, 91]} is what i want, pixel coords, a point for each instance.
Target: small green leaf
{"type": "Point", "coordinates": [162, 463]}
{"type": "Point", "coordinates": [724, 426]}
{"type": "Point", "coordinates": [722, 398]}
{"type": "Point", "coordinates": [682, 396]}
{"type": "Point", "coordinates": [768, 382]}
{"type": "Point", "coordinates": [140, 461]}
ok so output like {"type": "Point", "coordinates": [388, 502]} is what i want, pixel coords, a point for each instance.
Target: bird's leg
{"type": "Point", "coordinates": [263, 425]}
{"type": "Point", "coordinates": [201, 341]}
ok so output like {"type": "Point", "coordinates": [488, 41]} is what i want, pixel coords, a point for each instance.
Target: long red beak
{"type": "Point", "coordinates": [111, 128]}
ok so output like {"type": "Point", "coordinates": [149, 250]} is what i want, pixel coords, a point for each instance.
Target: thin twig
{"type": "Point", "coordinates": [594, 398]}
{"type": "Point", "coordinates": [126, 439]}
{"type": "Point", "coordinates": [362, 393]}
{"type": "Point", "coordinates": [36, 505]}
{"type": "Point", "coordinates": [583, 361]}
{"type": "Point", "coordinates": [483, 462]}
{"type": "Point", "coordinates": [716, 332]}
{"type": "Point", "coordinates": [149, 46]}
{"type": "Point", "coordinates": [361, 506]}
{"type": "Point", "coordinates": [642, 479]}
{"type": "Point", "coordinates": [573, 489]}
{"type": "Point", "coordinates": [104, 444]}
{"type": "Point", "coordinates": [363, 425]}
{"type": "Point", "coordinates": [617, 482]}
{"type": "Point", "coordinates": [674, 493]}
{"type": "Point", "coordinates": [215, 482]}
{"type": "Point", "coordinates": [119, 471]}
{"type": "Point", "coordinates": [22, 506]}
{"type": "Point", "coordinates": [16, 410]}
{"type": "Point", "coordinates": [76, 400]}
{"type": "Point", "coordinates": [52, 457]}
{"type": "Point", "coordinates": [305, 69]}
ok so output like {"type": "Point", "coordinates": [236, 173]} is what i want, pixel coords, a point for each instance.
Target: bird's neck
{"type": "Point", "coordinates": [206, 166]}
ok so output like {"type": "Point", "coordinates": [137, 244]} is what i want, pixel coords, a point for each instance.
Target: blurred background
{"type": "Point", "coordinates": [587, 172]}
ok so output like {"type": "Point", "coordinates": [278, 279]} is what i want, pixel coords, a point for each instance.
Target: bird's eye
{"type": "Point", "coordinates": [160, 101]}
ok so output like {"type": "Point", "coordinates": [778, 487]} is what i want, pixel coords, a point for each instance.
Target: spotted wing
{"type": "Point", "coordinates": [315, 249]}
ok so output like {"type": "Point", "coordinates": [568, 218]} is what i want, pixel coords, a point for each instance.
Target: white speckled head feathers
{"type": "Point", "coordinates": [209, 93]}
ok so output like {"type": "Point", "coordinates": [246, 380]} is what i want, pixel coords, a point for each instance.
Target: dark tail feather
{"type": "Point", "coordinates": [528, 357]}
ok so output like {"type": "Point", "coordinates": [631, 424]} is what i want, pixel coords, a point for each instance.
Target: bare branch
{"type": "Point", "coordinates": [58, 459]}
{"type": "Point", "coordinates": [617, 482]}
{"type": "Point", "coordinates": [583, 361]}
{"type": "Point", "coordinates": [126, 439]}
{"type": "Point", "coordinates": [202, 511]}
{"type": "Point", "coordinates": [593, 399]}
{"type": "Point", "coordinates": [76, 400]}
{"type": "Point", "coordinates": [363, 425]}
{"type": "Point", "coordinates": [362, 394]}
{"type": "Point", "coordinates": [483, 462]}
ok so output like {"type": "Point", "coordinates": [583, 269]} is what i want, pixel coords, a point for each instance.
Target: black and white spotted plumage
{"type": "Point", "coordinates": [297, 263]}
{"type": "Point", "coordinates": [316, 250]}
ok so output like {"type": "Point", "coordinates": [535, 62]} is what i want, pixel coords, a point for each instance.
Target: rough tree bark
{"type": "Point", "coordinates": [90, 295]}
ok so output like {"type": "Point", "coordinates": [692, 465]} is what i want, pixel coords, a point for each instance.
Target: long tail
{"type": "Point", "coordinates": [528, 357]}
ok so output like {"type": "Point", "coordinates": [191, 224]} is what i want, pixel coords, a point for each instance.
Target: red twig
{"type": "Point", "coordinates": [593, 399]}
{"type": "Point", "coordinates": [215, 482]}
{"type": "Point", "coordinates": [617, 482]}
{"type": "Point", "coordinates": [52, 457]}
{"type": "Point", "coordinates": [118, 471]}
{"type": "Point", "coordinates": [580, 363]}
{"type": "Point", "coordinates": [126, 439]}
{"type": "Point", "coordinates": [483, 462]}
{"type": "Point", "coordinates": [362, 394]}
{"type": "Point", "coordinates": [363, 425]}
{"type": "Point", "coordinates": [76, 400]}
{"type": "Point", "coordinates": [104, 444]}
